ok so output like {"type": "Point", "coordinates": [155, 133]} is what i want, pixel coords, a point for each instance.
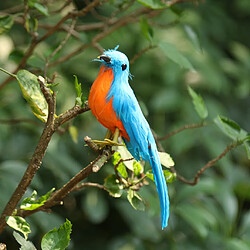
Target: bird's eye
{"type": "Point", "coordinates": [124, 66]}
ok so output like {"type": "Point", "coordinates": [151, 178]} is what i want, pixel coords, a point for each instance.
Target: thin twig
{"type": "Point", "coordinates": [208, 165]}
{"type": "Point", "coordinates": [88, 184]}
{"type": "Point", "coordinates": [20, 120]}
{"type": "Point", "coordinates": [60, 46]}
{"type": "Point", "coordinates": [136, 56]}
{"type": "Point", "coordinates": [189, 126]}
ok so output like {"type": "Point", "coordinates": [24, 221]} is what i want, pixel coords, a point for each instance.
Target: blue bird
{"type": "Point", "coordinates": [113, 103]}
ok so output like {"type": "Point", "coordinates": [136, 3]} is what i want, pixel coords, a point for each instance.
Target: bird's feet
{"type": "Point", "coordinates": [107, 142]}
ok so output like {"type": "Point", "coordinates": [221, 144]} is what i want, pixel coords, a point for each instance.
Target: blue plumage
{"type": "Point", "coordinates": [142, 144]}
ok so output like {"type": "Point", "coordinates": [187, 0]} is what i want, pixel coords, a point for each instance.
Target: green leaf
{"type": "Point", "coordinates": [135, 200]}
{"type": "Point", "coordinates": [165, 159]}
{"type": "Point", "coordinates": [78, 87]}
{"type": "Point", "coordinates": [125, 154]}
{"type": "Point", "coordinates": [113, 186]}
{"type": "Point", "coordinates": [146, 29]}
{"type": "Point", "coordinates": [32, 93]}
{"type": "Point", "coordinates": [231, 128]}
{"type": "Point", "coordinates": [6, 23]}
{"type": "Point", "coordinates": [25, 245]}
{"type": "Point", "coordinates": [153, 4]}
{"type": "Point", "coordinates": [73, 131]}
{"type": "Point", "coordinates": [19, 224]}
{"type": "Point", "coordinates": [199, 104]}
{"type": "Point", "coordinates": [122, 170]}
{"type": "Point", "coordinates": [174, 55]}
{"type": "Point", "coordinates": [138, 169]}
{"type": "Point", "coordinates": [121, 167]}
{"type": "Point", "coordinates": [31, 24]}
{"type": "Point", "coordinates": [200, 219]}
{"type": "Point", "coordinates": [247, 147]}
{"type": "Point", "coordinates": [169, 177]}
{"type": "Point", "coordinates": [116, 158]}
{"type": "Point", "coordinates": [42, 9]}
{"type": "Point", "coordinates": [192, 35]}
{"type": "Point", "coordinates": [31, 203]}
{"type": "Point", "coordinates": [150, 175]}
{"type": "Point", "coordinates": [57, 239]}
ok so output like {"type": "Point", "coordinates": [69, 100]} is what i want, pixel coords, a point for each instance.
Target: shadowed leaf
{"type": "Point", "coordinates": [174, 55]}
{"type": "Point", "coordinates": [25, 245]}
{"type": "Point", "coordinates": [57, 239]}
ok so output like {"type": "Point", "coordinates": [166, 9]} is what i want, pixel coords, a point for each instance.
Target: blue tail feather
{"type": "Point", "coordinates": [160, 184]}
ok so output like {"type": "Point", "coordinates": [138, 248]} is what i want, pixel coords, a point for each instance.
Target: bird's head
{"type": "Point", "coordinates": [116, 60]}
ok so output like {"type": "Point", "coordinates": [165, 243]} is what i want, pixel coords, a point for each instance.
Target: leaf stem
{"type": "Point", "coordinates": [7, 72]}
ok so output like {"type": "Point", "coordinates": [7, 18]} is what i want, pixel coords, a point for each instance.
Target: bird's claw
{"type": "Point", "coordinates": [107, 142]}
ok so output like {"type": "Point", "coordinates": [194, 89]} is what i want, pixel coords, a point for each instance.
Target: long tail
{"type": "Point", "coordinates": [160, 183]}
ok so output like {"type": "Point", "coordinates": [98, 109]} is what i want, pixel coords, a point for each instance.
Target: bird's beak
{"type": "Point", "coordinates": [105, 58]}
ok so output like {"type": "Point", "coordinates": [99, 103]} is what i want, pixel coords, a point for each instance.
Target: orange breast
{"type": "Point", "coordinates": [98, 104]}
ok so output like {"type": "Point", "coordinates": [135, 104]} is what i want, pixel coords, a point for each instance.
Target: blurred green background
{"type": "Point", "coordinates": [215, 213]}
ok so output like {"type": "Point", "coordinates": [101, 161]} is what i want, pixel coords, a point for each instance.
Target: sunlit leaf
{"type": "Point", "coordinates": [32, 202]}
{"type": "Point", "coordinates": [150, 175]}
{"type": "Point", "coordinates": [25, 245]}
{"type": "Point", "coordinates": [57, 239]}
{"type": "Point", "coordinates": [169, 176]}
{"type": "Point", "coordinates": [146, 29]}
{"type": "Point", "coordinates": [125, 154]}
{"type": "Point", "coordinates": [174, 55]}
{"type": "Point", "coordinates": [165, 159]}
{"type": "Point", "coordinates": [199, 104]}
{"type": "Point", "coordinates": [113, 186]}
{"type": "Point", "coordinates": [32, 93]}
{"type": "Point", "coordinates": [73, 131]}
{"type": "Point", "coordinates": [6, 23]}
{"type": "Point", "coordinates": [19, 224]}
{"type": "Point", "coordinates": [122, 170]}
{"type": "Point", "coordinates": [135, 200]}
{"type": "Point", "coordinates": [153, 4]}
{"type": "Point", "coordinates": [116, 157]}
{"type": "Point", "coordinates": [138, 169]}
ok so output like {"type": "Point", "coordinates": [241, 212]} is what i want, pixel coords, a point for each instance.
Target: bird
{"type": "Point", "coordinates": [114, 104]}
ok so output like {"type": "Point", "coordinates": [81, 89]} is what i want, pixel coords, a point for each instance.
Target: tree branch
{"type": "Point", "coordinates": [189, 126]}
{"type": "Point", "coordinates": [51, 126]}
{"type": "Point", "coordinates": [70, 186]}
{"type": "Point", "coordinates": [208, 165]}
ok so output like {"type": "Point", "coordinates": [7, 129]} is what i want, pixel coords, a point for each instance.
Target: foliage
{"type": "Point", "coordinates": [180, 53]}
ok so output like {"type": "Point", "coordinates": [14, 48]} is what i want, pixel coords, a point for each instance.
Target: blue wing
{"type": "Point", "coordinates": [142, 144]}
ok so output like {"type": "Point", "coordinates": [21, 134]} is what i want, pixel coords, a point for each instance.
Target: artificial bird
{"type": "Point", "coordinates": [113, 103]}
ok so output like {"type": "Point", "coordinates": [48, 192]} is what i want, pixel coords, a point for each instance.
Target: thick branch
{"type": "Point", "coordinates": [34, 164]}
{"type": "Point", "coordinates": [57, 197]}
